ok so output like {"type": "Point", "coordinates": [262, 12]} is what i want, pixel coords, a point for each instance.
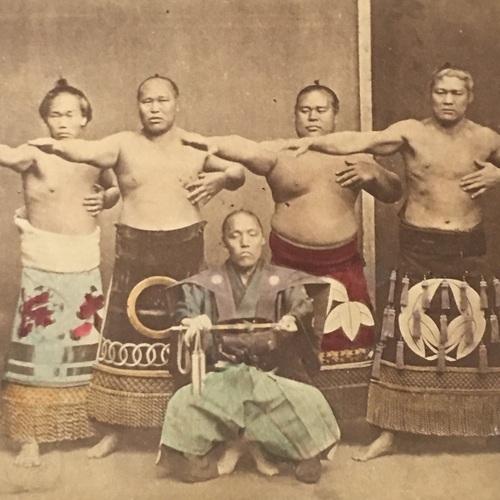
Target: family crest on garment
{"type": "Point", "coordinates": [430, 360]}
{"type": "Point", "coordinates": [275, 410]}
{"type": "Point", "coordinates": [314, 217]}
{"type": "Point", "coordinates": [258, 298]}
{"type": "Point", "coordinates": [445, 303]}
{"type": "Point", "coordinates": [271, 290]}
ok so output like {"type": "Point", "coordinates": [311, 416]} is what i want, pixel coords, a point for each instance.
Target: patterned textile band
{"type": "Point", "coordinates": [140, 254]}
{"type": "Point", "coordinates": [46, 414]}
{"type": "Point", "coordinates": [134, 398]}
{"type": "Point", "coordinates": [56, 329]}
{"type": "Point", "coordinates": [422, 401]}
{"type": "Point", "coordinates": [437, 368]}
{"type": "Point", "coordinates": [345, 317]}
{"type": "Point", "coordinates": [55, 336]}
{"type": "Point", "coordinates": [130, 355]}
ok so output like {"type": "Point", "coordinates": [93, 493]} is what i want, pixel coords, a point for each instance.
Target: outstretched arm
{"type": "Point", "coordinates": [365, 173]}
{"type": "Point", "coordinates": [250, 154]}
{"type": "Point", "coordinates": [18, 159]}
{"type": "Point", "coordinates": [100, 154]}
{"type": "Point", "coordinates": [383, 143]}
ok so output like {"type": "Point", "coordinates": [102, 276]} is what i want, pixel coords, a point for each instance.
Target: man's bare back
{"type": "Point", "coordinates": [311, 208]}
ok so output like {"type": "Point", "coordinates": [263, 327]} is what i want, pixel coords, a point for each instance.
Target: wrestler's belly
{"type": "Point", "coordinates": [61, 218]}
{"type": "Point", "coordinates": [445, 209]}
{"type": "Point", "coordinates": [160, 213]}
{"type": "Point", "coordinates": [315, 224]}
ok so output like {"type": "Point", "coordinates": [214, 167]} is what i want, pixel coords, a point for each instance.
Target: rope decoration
{"type": "Point", "coordinates": [130, 355]}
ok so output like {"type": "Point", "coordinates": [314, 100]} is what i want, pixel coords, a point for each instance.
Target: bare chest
{"type": "Point", "coordinates": [449, 158]}
{"type": "Point", "coordinates": [149, 164]}
{"type": "Point", "coordinates": [306, 173]}
{"type": "Point", "coordinates": [55, 175]}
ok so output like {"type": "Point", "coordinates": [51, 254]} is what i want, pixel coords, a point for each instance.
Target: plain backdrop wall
{"type": "Point", "coordinates": [239, 65]}
{"type": "Point", "coordinates": [410, 39]}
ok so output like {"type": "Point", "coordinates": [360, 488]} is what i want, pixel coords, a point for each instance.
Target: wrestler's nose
{"type": "Point", "coordinates": [448, 98]}
{"type": "Point", "coordinates": [313, 115]}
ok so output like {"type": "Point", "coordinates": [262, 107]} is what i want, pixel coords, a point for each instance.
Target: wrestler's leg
{"type": "Point", "coordinates": [106, 446]}
{"type": "Point", "coordinates": [383, 445]}
{"type": "Point", "coordinates": [29, 455]}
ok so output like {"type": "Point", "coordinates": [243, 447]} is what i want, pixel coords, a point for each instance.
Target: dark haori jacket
{"type": "Point", "coordinates": [270, 293]}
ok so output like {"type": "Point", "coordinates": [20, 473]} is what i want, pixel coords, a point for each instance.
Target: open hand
{"type": "Point", "coordinates": [485, 177]}
{"type": "Point", "coordinates": [198, 324]}
{"type": "Point", "coordinates": [94, 203]}
{"type": "Point", "coordinates": [203, 189]}
{"type": "Point", "coordinates": [287, 323]}
{"type": "Point", "coordinates": [357, 174]}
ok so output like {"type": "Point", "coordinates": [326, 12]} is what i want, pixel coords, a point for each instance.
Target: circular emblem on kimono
{"type": "Point", "coordinates": [274, 280]}
{"type": "Point", "coordinates": [216, 279]}
{"type": "Point", "coordinates": [465, 321]}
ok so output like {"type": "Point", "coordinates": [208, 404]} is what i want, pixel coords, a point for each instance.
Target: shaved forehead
{"type": "Point", "coordinates": [158, 81]}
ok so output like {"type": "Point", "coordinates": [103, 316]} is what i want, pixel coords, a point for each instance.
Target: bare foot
{"type": "Point", "coordinates": [227, 463]}
{"type": "Point", "coordinates": [263, 465]}
{"type": "Point", "coordinates": [331, 453]}
{"type": "Point", "coordinates": [29, 456]}
{"type": "Point", "coordinates": [383, 445]}
{"type": "Point", "coordinates": [104, 447]}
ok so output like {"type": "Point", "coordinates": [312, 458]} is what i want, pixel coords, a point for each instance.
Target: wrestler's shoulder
{"type": "Point", "coordinates": [411, 125]}
{"type": "Point", "coordinates": [482, 131]}
{"type": "Point", "coordinates": [126, 137]}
